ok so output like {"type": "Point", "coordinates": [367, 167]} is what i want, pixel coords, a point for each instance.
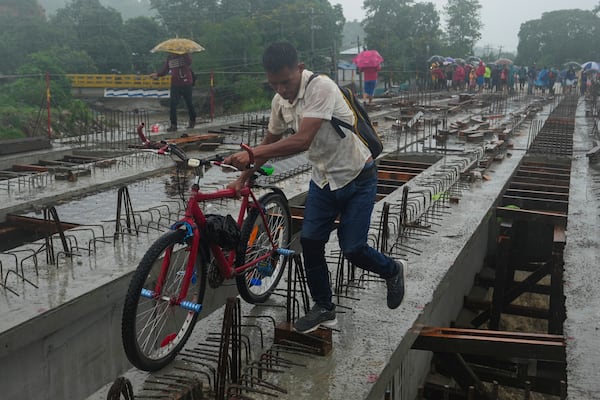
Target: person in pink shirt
{"type": "Point", "coordinates": [370, 77]}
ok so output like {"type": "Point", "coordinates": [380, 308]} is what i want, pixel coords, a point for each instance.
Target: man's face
{"type": "Point", "coordinates": [286, 82]}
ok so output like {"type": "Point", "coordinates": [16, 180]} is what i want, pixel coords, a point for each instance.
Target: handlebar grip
{"type": "Point", "coordinates": [250, 154]}
{"type": "Point", "coordinates": [175, 150]}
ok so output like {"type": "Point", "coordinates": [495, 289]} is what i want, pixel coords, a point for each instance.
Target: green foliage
{"type": "Point", "coordinates": [232, 45]}
{"type": "Point", "coordinates": [253, 95]}
{"type": "Point", "coordinates": [236, 31]}
{"type": "Point", "coordinates": [404, 35]}
{"type": "Point", "coordinates": [24, 30]}
{"type": "Point", "coordinates": [16, 121]}
{"type": "Point", "coordinates": [463, 26]}
{"type": "Point", "coordinates": [87, 25]}
{"type": "Point", "coordinates": [558, 37]}
{"type": "Point", "coordinates": [141, 34]}
{"type": "Point", "coordinates": [88, 36]}
{"type": "Point", "coordinates": [75, 114]}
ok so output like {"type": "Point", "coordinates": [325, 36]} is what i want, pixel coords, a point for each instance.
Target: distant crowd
{"type": "Point", "coordinates": [506, 77]}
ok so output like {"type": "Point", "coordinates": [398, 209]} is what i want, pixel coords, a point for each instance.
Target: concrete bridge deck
{"type": "Point", "coordinates": [62, 339]}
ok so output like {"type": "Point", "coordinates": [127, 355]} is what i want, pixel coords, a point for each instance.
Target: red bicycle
{"type": "Point", "coordinates": [166, 290]}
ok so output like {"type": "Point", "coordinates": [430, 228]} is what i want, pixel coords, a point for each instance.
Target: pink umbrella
{"type": "Point", "coordinates": [368, 59]}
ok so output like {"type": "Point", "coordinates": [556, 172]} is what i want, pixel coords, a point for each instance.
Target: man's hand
{"type": "Point", "coordinates": [240, 160]}
{"type": "Point", "coordinates": [237, 185]}
{"type": "Point", "coordinates": [154, 75]}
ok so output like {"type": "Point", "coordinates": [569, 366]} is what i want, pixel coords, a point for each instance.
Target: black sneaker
{"type": "Point", "coordinates": [314, 318]}
{"type": "Point", "coordinates": [172, 128]}
{"type": "Point", "coordinates": [395, 287]}
{"type": "Point", "coordinates": [191, 124]}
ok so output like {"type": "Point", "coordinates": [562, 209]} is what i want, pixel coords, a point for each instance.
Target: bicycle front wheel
{"type": "Point", "coordinates": [154, 329]}
{"type": "Point", "coordinates": [256, 284]}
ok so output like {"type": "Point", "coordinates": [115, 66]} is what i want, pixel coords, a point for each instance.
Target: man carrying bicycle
{"type": "Point", "coordinates": [343, 182]}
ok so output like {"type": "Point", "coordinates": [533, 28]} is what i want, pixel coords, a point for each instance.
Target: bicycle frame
{"type": "Point", "coordinates": [194, 221]}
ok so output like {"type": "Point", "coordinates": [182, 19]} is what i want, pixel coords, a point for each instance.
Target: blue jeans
{"type": "Point", "coordinates": [353, 204]}
{"type": "Point", "coordinates": [370, 87]}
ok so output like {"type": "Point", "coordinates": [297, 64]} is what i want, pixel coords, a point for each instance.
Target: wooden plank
{"type": "Point", "coordinates": [555, 218]}
{"type": "Point", "coordinates": [541, 181]}
{"type": "Point", "coordinates": [544, 175]}
{"type": "Point", "coordinates": [535, 186]}
{"type": "Point", "coordinates": [395, 176]}
{"type": "Point", "coordinates": [544, 168]}
{"type": "Point", "coordinates": [407, 163]}
{"type": "Point", "coordinates": [537, 194]}
{"type": "Point", "coordinates": [36, 224]}
{"type": "Point", "coordinates": [400, 168]}
{"type": "Point", "coordinates": [492, 343]}
{"type": "Point", "coordinates": [79, 159]}
{"type": "Point", "coordinates": [58, 163]}
{"type": "Point", "coordinates": [531, 203]}
{"type": "Point", "coordinates": [193, 138]}
{"type": "Point", "coordinates": [29, 167]}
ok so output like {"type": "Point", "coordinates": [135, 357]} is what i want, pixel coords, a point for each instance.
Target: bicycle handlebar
{"type": "Point", "coordinates": [172, 148]}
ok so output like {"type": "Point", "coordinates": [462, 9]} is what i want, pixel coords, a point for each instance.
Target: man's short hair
{"type": "Point", "coordinates": [279, 56]}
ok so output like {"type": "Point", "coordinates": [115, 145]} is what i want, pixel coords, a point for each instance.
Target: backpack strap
{"type": "Point", "coordinates": [313, 76]}
{"type": "Point", "coordinates": [335, 122]}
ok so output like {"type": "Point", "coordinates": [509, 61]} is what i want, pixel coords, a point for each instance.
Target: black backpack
{"type": "Point", "coordinates": [363, 127]}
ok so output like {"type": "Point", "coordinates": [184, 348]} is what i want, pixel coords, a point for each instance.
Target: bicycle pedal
{"type": "Point", "coordinates": [285, 252]}
{"type": "Point", "coordinates": [147, 293]}
{"type": "Point", "coordinates": [191, 306]}
{"type": "Point", "coordinates": [256, 282]}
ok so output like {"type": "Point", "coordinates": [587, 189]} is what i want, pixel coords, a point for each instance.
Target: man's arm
{"type": "Point", "coordinates": [273, 147]}
{"type": "Point", "coordinates": [163, 71]}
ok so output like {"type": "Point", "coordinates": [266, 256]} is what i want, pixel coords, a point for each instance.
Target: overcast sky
{"type": "Point", "coordinates": [501, 19]}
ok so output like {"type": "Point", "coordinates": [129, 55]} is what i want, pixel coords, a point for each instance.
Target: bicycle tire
{"type": "Point", "coordinates": [256, 284]}
{"type": "Point", "coordinates": [154, 331]}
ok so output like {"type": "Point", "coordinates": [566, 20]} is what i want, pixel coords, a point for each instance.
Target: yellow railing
{"type": "Point", "coordinates": [118, 81]}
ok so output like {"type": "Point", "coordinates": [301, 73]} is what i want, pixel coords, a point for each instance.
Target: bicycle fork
{"type": "Point", "coordinates": [188, 276]}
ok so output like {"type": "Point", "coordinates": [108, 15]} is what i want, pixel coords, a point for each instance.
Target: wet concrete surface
{"type": "Point", "coordinates": [582, 275]}
{"type": "Point", "coordinates": [372, 346]}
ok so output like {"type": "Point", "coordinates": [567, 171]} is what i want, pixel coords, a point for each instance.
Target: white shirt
{"type": "Point", "coordinates": [335, 160]}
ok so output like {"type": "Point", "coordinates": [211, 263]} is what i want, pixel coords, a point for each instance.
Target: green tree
{"type": "Point", "coordinates": [87, 25]}
{"type": "Point", "coordinates": [403, 33]}
{"type": "Point", "coordinates": [558, 37]}
{"type": "Point", "coordinates": [186, 18]}
{"type": "Point", "coordinates": [314, 27]}
{"type": "Point", "coordinates": [141, 34]}
{"type": "Point", "coordinates": [23, 100]}
{"type": "Point", "coordinates": [463, 25]}
{"type": "Point", "coordinates": [24, 31]}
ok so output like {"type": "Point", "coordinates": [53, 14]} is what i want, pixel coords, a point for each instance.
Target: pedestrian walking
{"type": "Point", "coordinates": [182, 82]}
{"type": "Point", "coordinates": [343, 184]}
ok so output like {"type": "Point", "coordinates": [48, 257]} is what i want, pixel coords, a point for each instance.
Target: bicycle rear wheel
{"type": "Point", "coordinates": [153, 329]}
{"type": "Point", "coordinates": [256, 284]}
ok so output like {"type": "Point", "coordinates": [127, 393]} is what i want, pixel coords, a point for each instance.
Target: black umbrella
{"type": "Point", "coordinates": [436, 58]}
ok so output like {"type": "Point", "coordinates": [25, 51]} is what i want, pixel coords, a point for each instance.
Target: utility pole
{"type": "Point", "coordinates": [360, 83]}
{"type": "Point", "coordinates": [334, 63]}
{"type": "Point", "coordinates": [312, 38]}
